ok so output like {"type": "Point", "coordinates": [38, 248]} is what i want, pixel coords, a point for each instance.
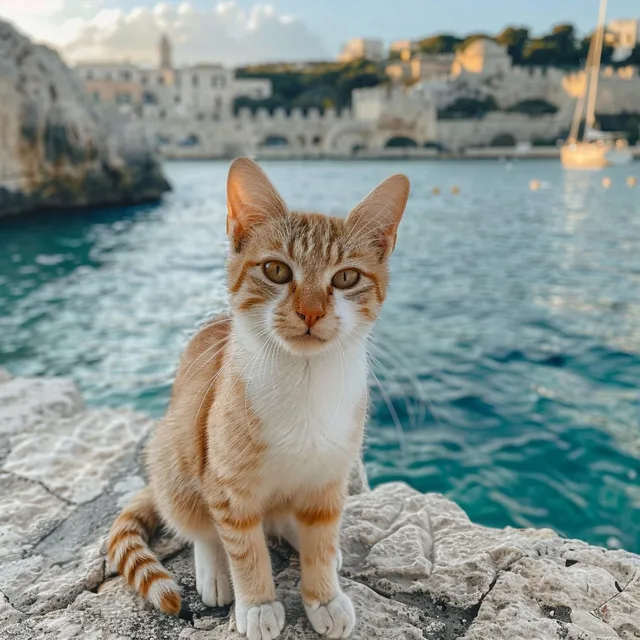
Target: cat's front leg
{"type": "Point", "coordinates": [258, 614]}
{"type": "Point", "coordinates": [329, 610]}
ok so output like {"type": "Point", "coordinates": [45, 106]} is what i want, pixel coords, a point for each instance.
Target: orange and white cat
{"type": "Point", "coordinates": [268, 409]}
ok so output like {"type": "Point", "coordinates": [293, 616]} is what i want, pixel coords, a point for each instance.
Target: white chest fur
{"type": "Point", "coordinates": [309, 409]}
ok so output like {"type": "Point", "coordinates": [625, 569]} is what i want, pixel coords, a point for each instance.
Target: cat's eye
{"type": "Point", "coordinates": [346, 278]}
{"type": "Point", "coordinates": [277, 271]}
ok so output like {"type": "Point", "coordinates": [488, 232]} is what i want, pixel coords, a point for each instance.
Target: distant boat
{"type": "Point", "coordinates": [596, 148]}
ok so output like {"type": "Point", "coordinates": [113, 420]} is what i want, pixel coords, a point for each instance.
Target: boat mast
{"type": "Point", "coordinates": [595, 69]}
{"type": "Point", "coordinates": [577, 116]}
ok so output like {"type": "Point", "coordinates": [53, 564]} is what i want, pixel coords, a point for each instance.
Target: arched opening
{"type": "Point", "coordinates": [503, 140]}
{"type": "Point", "coordinates": [400, 142]}
{"type": "Point", "coordinates": [317, 141]}
{"type": "Point", "coordinates": [430, 144]}
{"type": "Point", "coordinates": [275, 141]}
{"type": "Point", "coordinates": [163, 140]}
{"type": "Point", "coordinates": [357, 148]}
{"type": "Point", "coordinates": [192, 140]}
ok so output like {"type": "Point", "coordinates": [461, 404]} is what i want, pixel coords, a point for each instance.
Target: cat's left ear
{"type": "Point", "coordinates": [251, 199]}
{"type": "Point", "coordinates": [377, 217]}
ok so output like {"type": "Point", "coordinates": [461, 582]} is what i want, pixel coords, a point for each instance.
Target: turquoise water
{"type": "Point", "coordinates": [509, 348]}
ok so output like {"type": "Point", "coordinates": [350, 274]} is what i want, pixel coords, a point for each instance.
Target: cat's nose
{"type": "Point", "coordinates": [310, 316]}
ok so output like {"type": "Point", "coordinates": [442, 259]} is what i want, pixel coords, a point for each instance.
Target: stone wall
{"type": "Point", "coordinates": [55, 149]}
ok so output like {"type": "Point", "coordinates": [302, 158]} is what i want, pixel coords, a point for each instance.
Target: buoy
{"type": "Point", "coordinates": [534, 185]}
{"type": "Point", "coordinates": [436, 191]}
{"type": "Point", "coordinates": [606, 182]}
{"type": "Point", "coordinates": [455, 190]}
{"type": "Point", "coordinates": [632, 181]}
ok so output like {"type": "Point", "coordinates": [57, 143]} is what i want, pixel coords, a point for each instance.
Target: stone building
{"type": "Point", "coordinates": [482, 56]}
{"type": "Point", "coordinates": [199, 92]}
{"type": "Point", "coordinates": [623, 35]}
{"type": "Point", "coordinates": [368, 48]}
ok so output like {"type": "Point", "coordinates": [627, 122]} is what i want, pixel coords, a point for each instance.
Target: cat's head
{"type": "Point", "coordinates": [305, 281]}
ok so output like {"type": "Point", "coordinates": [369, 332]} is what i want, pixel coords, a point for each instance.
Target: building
{"type": "Point", "coordinates": [201, 92]}
{"type": "Point", "coordinates": [482, 56]}
{"type": "Point", "coordinates": [421, 66]}
{"type": "Point", "coordinates": [367, 48]}
{"type": "Point", "coordinates": [624, 36]}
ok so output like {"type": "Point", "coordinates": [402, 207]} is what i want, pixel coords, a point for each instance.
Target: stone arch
{"type": "Point", "coordinates": [432, 144]}
{"type": "Point", "coordinates": [192, 140]}
{"type": "Point", "coordinates": [400, 142]}
{"type": "Point", "coordinates": [503, 140]}
{"type": "Point", "coordinates": [275, 140]}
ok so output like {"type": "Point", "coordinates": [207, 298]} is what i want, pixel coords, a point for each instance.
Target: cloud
{"type": "Point", "coordinates": [225, 33]}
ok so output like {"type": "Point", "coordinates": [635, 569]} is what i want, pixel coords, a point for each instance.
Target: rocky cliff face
{"type": "Point", "coordinates": [415, 566]}
{"type": "Point", "coordinates": [56, 150]}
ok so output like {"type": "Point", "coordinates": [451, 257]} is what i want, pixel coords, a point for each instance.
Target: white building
{"type": "Point", "coordinates": [624, 36]}
{"type": "Point", "coordinates": [201, 92]}
{"type": "Point", "coordinates": [367, 48]}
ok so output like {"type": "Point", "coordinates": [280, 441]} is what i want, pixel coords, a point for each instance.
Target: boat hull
{"type": "Point", "coordinates": [594, 155]}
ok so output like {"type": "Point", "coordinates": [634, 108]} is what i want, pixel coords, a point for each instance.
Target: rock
{"type": "Point", "coordinates": [56, 149]}
{"type": "Point", "coordinates": [415, 566]}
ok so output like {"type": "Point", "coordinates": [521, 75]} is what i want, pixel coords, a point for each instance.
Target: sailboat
{"type": "Point", "coordinates": [596, 149]}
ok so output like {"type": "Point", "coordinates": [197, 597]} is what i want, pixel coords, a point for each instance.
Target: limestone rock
{"type": "Point", "coordinates": [415, 566]}
{"type": "Point", "coordinates": [56, 150]}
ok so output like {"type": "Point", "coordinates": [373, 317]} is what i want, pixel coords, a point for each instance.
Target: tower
{"type": "Point", "coordinates": [165, 52]}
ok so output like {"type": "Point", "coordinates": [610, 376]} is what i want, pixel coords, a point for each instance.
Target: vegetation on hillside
{"type": "Point", "coordinates": [561, 47]}
{"type": "Point", "coordinates": [319, 85]}
{"type": "Point", "coordinates": [322, 85]}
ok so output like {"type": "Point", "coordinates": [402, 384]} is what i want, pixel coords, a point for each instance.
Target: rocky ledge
{"type": "Point", "coordinates": [56, 149]}
{"type": "Point", "coordinates": [415, 566]}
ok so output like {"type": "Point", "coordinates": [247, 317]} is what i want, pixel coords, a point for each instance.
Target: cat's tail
{"type": "Point", "coordinates": [128, 551]}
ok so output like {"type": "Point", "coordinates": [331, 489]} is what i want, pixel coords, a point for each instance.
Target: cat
{"type": "Point", "coordinates": [267, 411]}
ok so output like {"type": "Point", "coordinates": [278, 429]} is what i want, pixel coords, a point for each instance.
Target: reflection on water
{"type": "Point", "coordinates": [508, 350]}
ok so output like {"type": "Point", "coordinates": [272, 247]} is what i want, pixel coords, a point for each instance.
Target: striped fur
{"type": "Point", "coordinates": [267, 412]}
{"type": "Point", "coordinates": [129, 553]}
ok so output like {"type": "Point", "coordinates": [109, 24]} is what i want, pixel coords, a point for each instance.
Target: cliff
{"type": "Point", "coordinates": [415, 566]}
{"type": "Point", "coordinates": [56, 150]}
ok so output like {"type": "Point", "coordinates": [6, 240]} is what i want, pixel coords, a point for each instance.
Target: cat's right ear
{"type": "Point", "coordinates": [251, 199]}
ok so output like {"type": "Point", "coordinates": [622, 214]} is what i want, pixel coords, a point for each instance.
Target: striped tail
{"type": "Point", "coordinates": [128, 552]}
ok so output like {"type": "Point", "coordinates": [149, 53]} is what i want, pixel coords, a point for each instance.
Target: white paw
{"type": "Point", "coordinates": [260, 622]}
{"type": "Point", "coordinates": [335, 619]}
{"type": "Point", "coordinates": [212, 578]}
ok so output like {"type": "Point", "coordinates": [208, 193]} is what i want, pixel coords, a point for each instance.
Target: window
{"type": "Point", "coordinates": [144, 81]}
{"type": "Point", "coordinates": [149, 98]}
{"type": "Point", "coordinates": [160, 79]}
{"type": "Point", "coordinates": [195, 80]}
{"type": "Point", "coordinates": [162, 114]}
{"type": "Point", "coordinates": [123, 97]}
{"type": "Point", "coordinates": [200, 116]}
{"type": "Point", "coordinates": [177, 99]}
{"type": "Point", "coordinates": [96, 96]}
{"type": "Point", "coordinates": [214, 81]}
{"type": "Point", "coordinates": [126, 75]}
{"type": "Point", "coordinates": [218, 103]}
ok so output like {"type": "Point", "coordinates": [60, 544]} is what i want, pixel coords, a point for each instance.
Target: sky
{"type": "Point", "coordinates": [243, 31]}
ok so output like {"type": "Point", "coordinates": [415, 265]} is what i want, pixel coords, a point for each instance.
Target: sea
{"type": "Point", "coordinates": [506, 362]}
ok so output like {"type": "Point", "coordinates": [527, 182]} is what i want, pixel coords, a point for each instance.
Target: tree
{"type": "Point", "coordinates": [472, 38]}
{"type": "Point", "coordinates": [583, 50]}
{"type": "Point", "coordinates": [444, 43]}
{"type": "Point", "coordinates": [515, 39]}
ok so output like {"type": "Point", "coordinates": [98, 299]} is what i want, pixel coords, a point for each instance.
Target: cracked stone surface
{"type": "Point", "coordinates": [415, 566]}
